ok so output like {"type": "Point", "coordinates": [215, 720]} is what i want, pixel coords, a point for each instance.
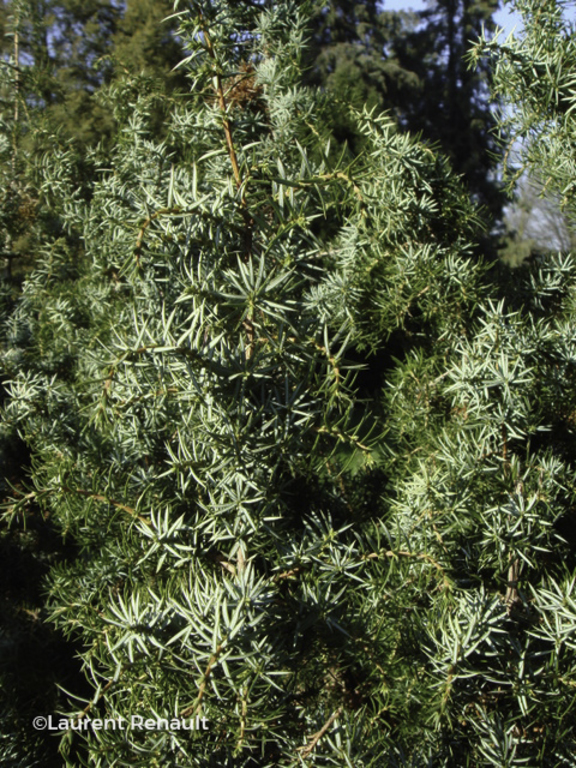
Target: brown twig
{"type": "Point", "coordinates": [146, 224]}
{"type": "Point", "coordinates": [193, 708]}
{"type": "Point", "coordinates": [415, 555]}
{"type": "Point", "coordinates": [16, 93]}
{"type": "Point", "coordinates": [331, 359]}
{"type": "Point", "coordinates": [248, 326]}
{"type": "Point", "coordinates": [227, 128]}
{"type": "Point", "coordinates": [505, 448]}
{"type": "Point", "coordinates": [226, 125]}
{"type": "Point", "coordinates": [244, 710]}
{"type": "Point", "coordinates": [512, 596]}
{"type": "Point", "coordinates": [106, 500]}
{"type": "Point", "coordinates": [306, 751]}
{"type": "Point", "coordinates": [344, 438]}
{"type": "Point", "coordinates": [292, 573]}
{"type": "Point", "coordinates": [87, 709]}
{"type": "Point", "coordinates": [345, 177]}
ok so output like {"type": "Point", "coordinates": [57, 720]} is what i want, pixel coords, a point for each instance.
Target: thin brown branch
{"type": "Point", "coordinates": [139, 398]}
{"type": "Point", "coordinates": [505, 448]}
{"type": "Point", "coordinates": [226, 125]}
{"type": "Point", "coordinates": [415, 555]}
{"type": "Point", "coordinates": [228, 135]}
{"type": "Point", "coordinates": [331, 359]}
{"type": "Point", "coordinates": [307, 750]}
{"type": "Point", "coordinates": [146, 224]}
{"type": "Point", "coordinates": [345, 177]}
{"type": "Point", "coordinates": [193, 708]}
{"type": "Point", "coordinates": [292, 573]}
{"type": "Point", "coordinates": [340, 481]}
{"type": "Point", "coordinates": [87, 709]}
{"type": "Point", "coordinates": [512, 596]}
{"type": "Point", "coordinates": [248, 326]}
{"type": "Point", "coordinates": [106, 500]}
{"type": "Point", "coordinates": [243, 713]}
{"type": "Point", "coordinates": [344, 438]}
{"type": "Point", "coordinates": [16, 94]}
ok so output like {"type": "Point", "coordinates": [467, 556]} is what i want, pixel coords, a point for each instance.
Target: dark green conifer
{"type": "Point", "coordinates": [330, 571]}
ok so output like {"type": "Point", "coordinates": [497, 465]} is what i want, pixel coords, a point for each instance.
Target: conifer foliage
{"type": "Point", "coordinates": [322, 577]}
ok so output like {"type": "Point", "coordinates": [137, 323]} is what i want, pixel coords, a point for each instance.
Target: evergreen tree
{"type": "Point", "coordinates": [144, 41]}
{"type": "Point", "coordinates": [201, 413]}
{"type": "Point", "coordinates": [415, 66]}
{"type": "Point", "coordinates": [61, 49]}
{"type": "Point", "coordinates": [330, 571]}
{"type": "Point", "coordinates": [59, 59]}
{"type": "Point", "coordinates": [350, 51]}
{"type": "Point", "coordinates": [68, 50]}
{"type": "Point", "coordinates": [453, 106]}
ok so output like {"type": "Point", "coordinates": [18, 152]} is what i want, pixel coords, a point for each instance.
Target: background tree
{"type": "Point", "coordinates": [59, 59]}
{"type": "Point", "coordinates": [536, 222]}
{"type": "Point", "coordinates": [70, 49]}
{"type": "Point", "coordinates": [415, 66]}
{"type": "Point", "coordinates": [349, 52]}
{"type": "Point", "coordinates": [60, 47]}
{"type": "Point", "coordinates": [454, 107]}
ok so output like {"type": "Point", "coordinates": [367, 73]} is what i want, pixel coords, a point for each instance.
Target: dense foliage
{"type": "Point", "coordinates": [299, 462]}
{"type": "Point", "coordinates": [414, 65]}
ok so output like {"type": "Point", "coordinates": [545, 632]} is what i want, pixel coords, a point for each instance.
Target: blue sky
{"type": "Point", "coordinates": [504, 17]}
